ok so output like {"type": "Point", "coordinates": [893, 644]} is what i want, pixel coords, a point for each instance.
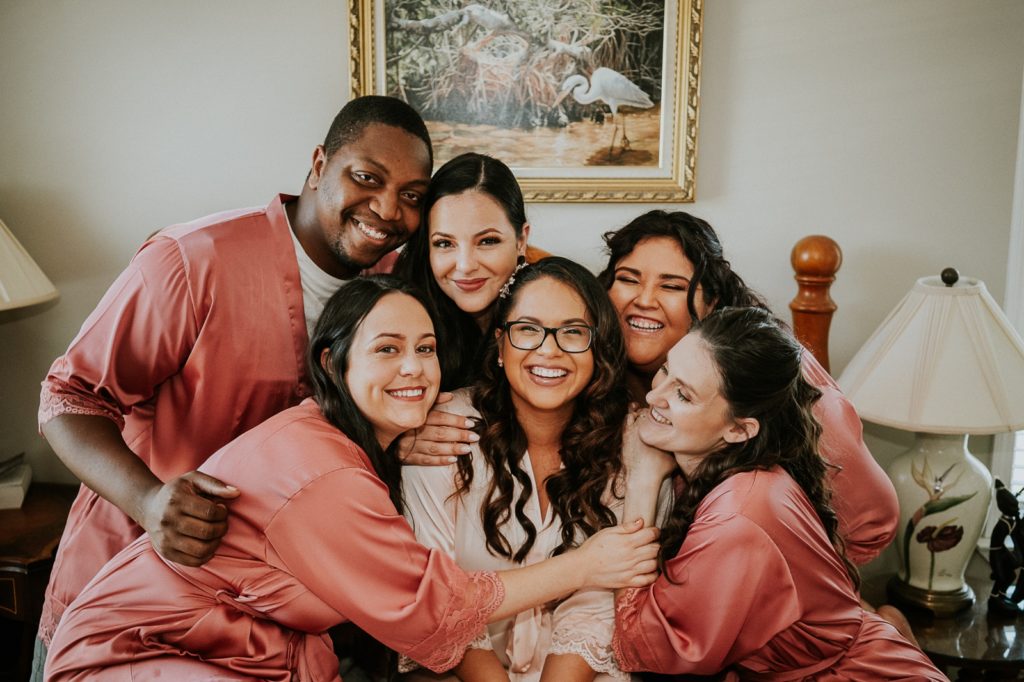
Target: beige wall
{"type": "Point", "coordinates": [888, 125]}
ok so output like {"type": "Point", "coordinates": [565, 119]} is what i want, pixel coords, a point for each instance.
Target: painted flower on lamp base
{"type": "Point", "coordinates": [944, 494]}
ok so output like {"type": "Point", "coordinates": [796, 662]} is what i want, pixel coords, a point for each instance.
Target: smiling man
{"type": "Point", "coordinates": [204, 336]}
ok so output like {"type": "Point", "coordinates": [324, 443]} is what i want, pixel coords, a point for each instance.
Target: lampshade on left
{"type": "Point", "coordinates": [22, 283]}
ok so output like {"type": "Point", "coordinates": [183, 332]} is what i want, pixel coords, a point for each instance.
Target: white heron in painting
{"type": "Point", "coordinates": [612, 88]}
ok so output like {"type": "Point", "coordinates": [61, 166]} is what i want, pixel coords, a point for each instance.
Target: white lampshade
{"type": "Point", "coordinates": [945, 361]}
{"type": "Point", "coordinates": [22, 283]}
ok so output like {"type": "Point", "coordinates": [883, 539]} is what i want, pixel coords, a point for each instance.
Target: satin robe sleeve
{"type": "Point", "coordinates": [139, 335]}
{"type": "Point", "coordinates": [862, 494]}
{"type": "Point", "coordinates": [431, 510]}
{"type": "Point", "coordinates": [371, 570]}
{"type": "Point", "coordinates": [732, 593]}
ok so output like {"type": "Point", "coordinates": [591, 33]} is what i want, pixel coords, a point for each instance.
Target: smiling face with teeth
{"type": "Point", "coordinates": [546, 379]}
{"type": "Point", "coordinates": [473, 249]}
{"type": "Point", "coordinates": [363, 201]}
{"type": "Point", "coordinates": [649, 294]}
{"type": "Point", "coordinates": [688, 415]}
{"type": "Point", "coordinates": [393, 374]}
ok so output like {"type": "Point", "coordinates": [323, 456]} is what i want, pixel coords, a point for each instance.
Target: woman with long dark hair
{"type": "Point", "coordinates": [473, 238]}
{"type": "Point", "coordinates": [472, 241]}
{"type": "Point", "coordinates": [546, 473]}
{"type": "Point", "coordinates": [754, 579]}
{"type": "Point", "coordinates": [316, 535]}
{"type": "Point", "coordinates": [666, 271]}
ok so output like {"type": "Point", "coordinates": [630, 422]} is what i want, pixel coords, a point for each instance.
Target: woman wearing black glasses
{"type": "Point", "coordinates": [545, 474]}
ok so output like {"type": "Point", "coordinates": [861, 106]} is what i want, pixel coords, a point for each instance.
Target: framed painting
{"type": "Point", "coordinates": [586, 100]}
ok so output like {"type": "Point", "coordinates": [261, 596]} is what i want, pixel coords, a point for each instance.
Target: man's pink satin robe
{"type": "Point", "coordinates": [313, 540]}
{"type": "Point", "coordinates": [201, 338]}
{"type": "Point", "coordinates": [757, 585]}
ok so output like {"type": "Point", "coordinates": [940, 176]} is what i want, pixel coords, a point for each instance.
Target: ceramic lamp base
{"type": "Point", "coordinates": [939, 603]}
{"type": "Point", "coordinates": [944, 494]}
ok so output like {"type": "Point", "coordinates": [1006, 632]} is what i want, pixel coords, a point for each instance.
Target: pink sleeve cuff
{"type": "Point", "coordinates": [627, 642]}
{"type": "Point", "coordinates": [57, 398]}
{"type": "Point", "coordinates": [471, 608]}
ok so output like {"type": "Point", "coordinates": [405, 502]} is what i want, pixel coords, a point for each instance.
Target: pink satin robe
{"type": "Point", "coordinates": [201, 338]}
{"type": "Point", "coordinates": [313, 540]}
{"type": "Point", "coordinates": [758, 587]}
{"type": "Point", "coordinates": [863, 496]}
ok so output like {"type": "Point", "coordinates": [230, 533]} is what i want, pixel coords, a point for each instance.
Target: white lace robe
{"type": "Point", "coordinates": [581, 624]}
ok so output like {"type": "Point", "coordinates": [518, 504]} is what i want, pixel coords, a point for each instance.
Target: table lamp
{"type": "Point", "coordinates": [945, 363]}
{"type": "Point", "coordinates": [22, 284]}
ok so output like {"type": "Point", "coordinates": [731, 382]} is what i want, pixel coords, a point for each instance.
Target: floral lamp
{"type": "Point", "coordinates": [945, 363]}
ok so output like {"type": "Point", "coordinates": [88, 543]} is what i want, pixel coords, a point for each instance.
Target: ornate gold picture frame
{"type": "Point", "coordinates": [587, 100]}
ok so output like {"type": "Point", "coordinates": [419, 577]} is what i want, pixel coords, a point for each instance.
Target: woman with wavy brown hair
{"type": "Point", "coordinates": [545, 475]}
{"type": "Point", "coordinates": [755, 579]}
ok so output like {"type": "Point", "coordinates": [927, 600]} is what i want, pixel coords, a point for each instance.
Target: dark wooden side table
{"type": "Point", "coordinates": [981, 645]}
{"type": "Point", "coordinates": [28, 540]}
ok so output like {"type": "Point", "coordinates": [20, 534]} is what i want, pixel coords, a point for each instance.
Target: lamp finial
{"type": "Point", "coordinates": [950, 276]}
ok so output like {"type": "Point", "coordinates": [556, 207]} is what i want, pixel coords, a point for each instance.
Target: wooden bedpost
{"type": "Point", "coordinates": [816, 260]}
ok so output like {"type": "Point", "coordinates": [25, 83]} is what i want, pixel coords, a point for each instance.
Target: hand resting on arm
{"type": "Point", "coordinates": [185, 517]}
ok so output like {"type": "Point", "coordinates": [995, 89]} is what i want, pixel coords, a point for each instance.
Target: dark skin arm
{"type": "Point", "coordinates": [185, 517]}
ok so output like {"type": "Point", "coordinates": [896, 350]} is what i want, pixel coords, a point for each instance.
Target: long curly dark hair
{"type": "Point", "coordinates": [341, 318]}
{"type": "Point", "coordinates": [712, 273]}
{"type": "Point", "coordinates": [591, 448]}
{"type": "Point", "coordinates": [758, 363]}
{"type": "Point", "coordinates": [460, 341]}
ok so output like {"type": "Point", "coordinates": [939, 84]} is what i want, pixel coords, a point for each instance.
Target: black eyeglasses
{"type": "Point", "coordinates": [571, 338]}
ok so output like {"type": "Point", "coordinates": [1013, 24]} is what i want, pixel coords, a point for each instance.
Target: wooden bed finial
{"type": "Point", "coordinates": [816, 260]}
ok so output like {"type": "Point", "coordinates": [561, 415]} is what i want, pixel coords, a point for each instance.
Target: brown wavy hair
{"type": "Point", "coordinates": [758, 363]}
{"type": "Point", "coordinates": [712, 273]}
{"type": "Point", "coordinates": [591, 448]}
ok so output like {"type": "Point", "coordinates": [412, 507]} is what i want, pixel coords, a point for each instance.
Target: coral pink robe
{"type": "Point", "coordinates": [202, 337]}
{"type": "Point", "coordinates": [758, 587]}
{"type": "Point", "coordinates": [313, 540]}
{"type": "Point", "coordinates": [863, 496]}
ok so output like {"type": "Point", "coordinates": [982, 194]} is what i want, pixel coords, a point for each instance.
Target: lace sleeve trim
{"type": "Point", "coordinates": [627, 638]}
{"type": "Point", "coordinates": [482, 641]}
{"type": "Point", "coordinates": [471, 608]}
{"type": "Point", "coordinates": [56, 399]}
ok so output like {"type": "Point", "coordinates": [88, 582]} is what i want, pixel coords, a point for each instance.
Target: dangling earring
{"type": "Point", "coordinates": [500, 363]}
{"type": "Point", "coordinates": [506, 288]}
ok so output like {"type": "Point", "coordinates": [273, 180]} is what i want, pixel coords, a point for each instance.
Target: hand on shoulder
{"type": "Point", "coordinates": [446, 435]}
